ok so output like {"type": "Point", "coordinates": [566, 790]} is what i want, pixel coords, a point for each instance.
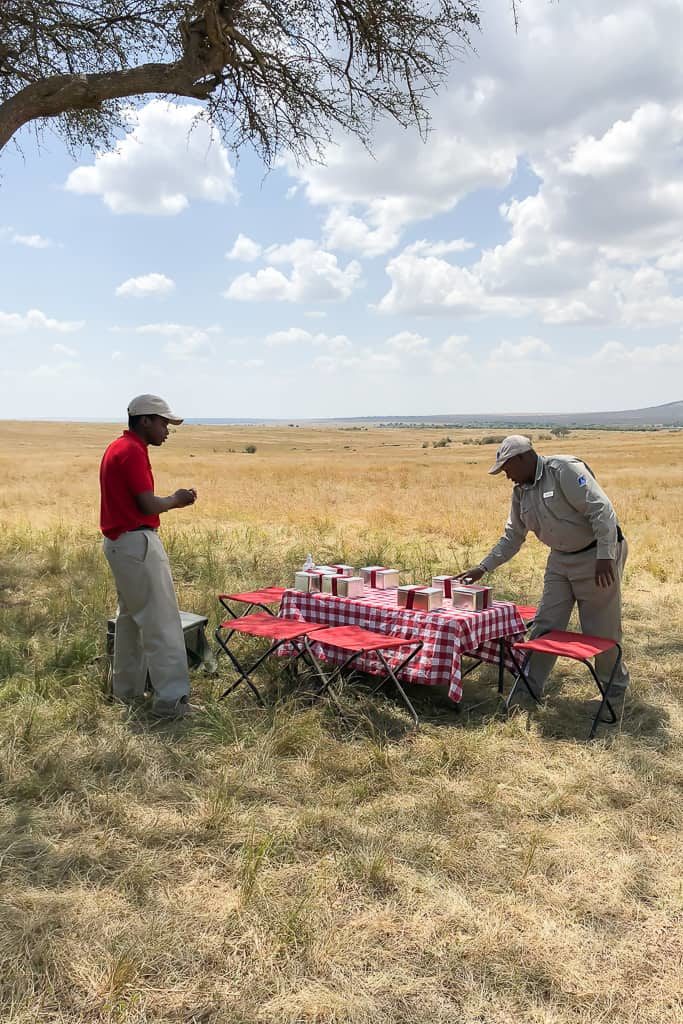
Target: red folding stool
{"type": "Point", "coordinates": [527, 612]}
{"type": "Point", "coordinates": [578, 647]}
{"type": "Point", "coordinates": [354, 641]}
{"type": "Point", "coordinates": [253, 599]}
{"type": "Point", "coordinates": [266, 625]}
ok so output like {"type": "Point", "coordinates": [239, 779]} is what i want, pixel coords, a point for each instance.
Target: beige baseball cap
{"type": "Point", "coordinates": [515, 444]}
{"type": "Point", "coordinates": [152, 405]}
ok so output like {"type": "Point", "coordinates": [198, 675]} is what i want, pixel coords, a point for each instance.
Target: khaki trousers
{"type": "Point", "coordinates": [570, 579]}
{"type": "Point", "coordinates": [149, 636]}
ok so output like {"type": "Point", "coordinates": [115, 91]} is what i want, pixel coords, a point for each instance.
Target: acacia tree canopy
{"type": "Point", "coordinates": [281, 75]}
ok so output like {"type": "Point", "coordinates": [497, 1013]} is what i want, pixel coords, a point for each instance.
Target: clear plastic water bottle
{"type": "Point", "coordinates": [309, 563]}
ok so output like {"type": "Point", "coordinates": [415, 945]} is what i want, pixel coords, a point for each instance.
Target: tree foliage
{"type": "Point", "coordinates": [281, 75]}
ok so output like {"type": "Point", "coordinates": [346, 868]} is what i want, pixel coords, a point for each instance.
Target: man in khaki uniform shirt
{"type": "Point", "coordinates": [557, 498]}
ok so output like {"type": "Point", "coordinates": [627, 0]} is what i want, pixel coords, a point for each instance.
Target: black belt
{"type": "Point", "coordinates": [594, 544]}
{"type": "Point", "coordinates": [136, 528]}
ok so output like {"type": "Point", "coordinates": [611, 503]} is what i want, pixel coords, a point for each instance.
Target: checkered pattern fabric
{"type": "Point", "coordinates": [447, 633]}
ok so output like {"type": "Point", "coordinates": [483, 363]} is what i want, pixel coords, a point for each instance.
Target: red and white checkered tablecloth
{"type": "Point", "coordinates": [447, 633]}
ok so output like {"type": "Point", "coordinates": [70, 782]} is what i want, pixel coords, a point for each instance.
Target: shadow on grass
{"type": "Point", "coordinates": [564, 717]}
{"type": "Point", "coordinates": [366, 712]}
{"type": "Point", "coordinates": [568, 710]}
{"type": "Point", "coordinates": [566, 714]}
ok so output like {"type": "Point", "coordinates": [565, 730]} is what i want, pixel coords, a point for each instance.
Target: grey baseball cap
{"type": "Point", "coordinates": [515, 444]}
{"type": "Point", "coordinates": [152, 405]}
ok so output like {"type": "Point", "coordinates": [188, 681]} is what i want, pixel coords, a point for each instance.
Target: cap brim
{"type": "Point", "coordinates": [497, 467]}
{"type": "Point", "coordinates": [174, 420]}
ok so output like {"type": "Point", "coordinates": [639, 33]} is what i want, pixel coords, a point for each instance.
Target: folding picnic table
{"type": "Point", "coordinates": [447, 633]}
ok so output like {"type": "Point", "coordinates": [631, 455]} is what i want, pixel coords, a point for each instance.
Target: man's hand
{"type": "Point", "coordinates": [605, 572]}
{"type": "Point", "coordinates": [470, 575]}
{"type": "Point", "coordinates": [184, 496]}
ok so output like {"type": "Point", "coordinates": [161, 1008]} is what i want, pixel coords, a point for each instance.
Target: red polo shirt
{"type": "Point", "coordinates": [125, 471]}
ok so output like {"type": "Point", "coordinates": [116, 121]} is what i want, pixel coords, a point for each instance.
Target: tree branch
{"type": "Point", "coordinates": [61, 93]}
{"type": "Point", "coordinates": [270, 73]}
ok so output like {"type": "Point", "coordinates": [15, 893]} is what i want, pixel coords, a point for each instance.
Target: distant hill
{"type": "Point", "coordinates": [669, 415]}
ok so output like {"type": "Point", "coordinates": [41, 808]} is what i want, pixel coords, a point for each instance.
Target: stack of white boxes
{"type": "Point", "coordinates": [343, 586]}
{"type": "Point", "coordinates": [379, 577]}
{"type": "Point", "coordinates": [422, 599]}
{"type": "Point", "coordinates": [464, 595]}
{"type": "Point", "coordinates": [338, 580]}
{"type": "Point", "coordinates": [309, 580]}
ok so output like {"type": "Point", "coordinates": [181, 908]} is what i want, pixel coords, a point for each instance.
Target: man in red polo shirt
{"type": "Point", "coordinates": [149, 635]}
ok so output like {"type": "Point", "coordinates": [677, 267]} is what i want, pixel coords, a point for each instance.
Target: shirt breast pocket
{"type": "Point", "coordinates": [556, 505]}
{"type": "Point", "coordinates": [529, 514]}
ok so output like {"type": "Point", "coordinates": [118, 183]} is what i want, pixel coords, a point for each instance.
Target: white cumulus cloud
{"type": "Point", "coordinates": [613, 352]}
{"type": "Point", "coordinates": [290, 336]}
{"type": "Point", "coordinates": [311, 275]}
{"type": "Point", "coordinates": [365, 361]}
{"type": "Point", "coordinates": [35, 319]}
{"type": "Point", "coordinates": [408, 341]}
{"type": "Point", "coordinates": [145, 285]}
{"type": "Point", "coordinates": [33, 241]}
{"type": "Point", "coordinates": [520, 351]}
{"type": "Point", "coordinates": [452, 355]}
{"type": "Point", "coordinates": [168, 158]}
{"type": "Point", "coordinates": [183, 341]}
{"type": "Point", "coordinates": [371, 200]}
{"type": "Point", "coordinates": [244, 249]}
{"type": "Point", "coordinates": [427, 284]}
{"type": "Point", "coordinates": [299, 336]}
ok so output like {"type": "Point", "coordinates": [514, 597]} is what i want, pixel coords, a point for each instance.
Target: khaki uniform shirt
{"type": "Point", "coordinates": [564, 506]}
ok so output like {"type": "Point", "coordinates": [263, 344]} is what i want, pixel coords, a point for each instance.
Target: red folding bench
{"type": "Point", "coordinates": [528, 613]}
{"type": "Point", "coordinates": [356, 641]}
{"type": "Point", "coordinates": [268, 626]}
{"type": "Point", "coordinates": [578, 647]}
{"type": "Point", "coordinates": [253, 599]}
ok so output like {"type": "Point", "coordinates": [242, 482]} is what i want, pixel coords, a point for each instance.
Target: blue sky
{"type": "Point", "coordinates": [527, 257]}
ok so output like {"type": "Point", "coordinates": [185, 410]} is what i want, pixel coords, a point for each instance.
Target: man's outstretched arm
{"type": "Point", "coordinates": [513, 537]}
{"type": "Point", "coordinates": [151, 504]}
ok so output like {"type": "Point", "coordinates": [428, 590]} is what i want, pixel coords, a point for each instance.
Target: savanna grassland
{"type": "Point", "coordinates": [284, 867]}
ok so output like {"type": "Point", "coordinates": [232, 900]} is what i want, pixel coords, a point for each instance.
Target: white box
{"type": "Point", "coordinates": [343, 586]}
{"type": "Point", "coordinates": [309, 582]}
{"type": "Point", "coordinates": [444, 583]}
{"type": "Point", "coordinates": [344, 570]}
{"type": "Point", "coordinates": [470, 596]}
{"type": "Point", "coordinates": [483, 596]}
{"type": "Point", "coordinates": [422, 599]}
{"type": "Point", "coordinates": [379, 577]}
{"type": "Point", "coordinates": [463, 597]}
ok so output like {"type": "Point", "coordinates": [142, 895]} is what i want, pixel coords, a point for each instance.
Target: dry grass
{"type": "Point", "coordinates": [276, 867]}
